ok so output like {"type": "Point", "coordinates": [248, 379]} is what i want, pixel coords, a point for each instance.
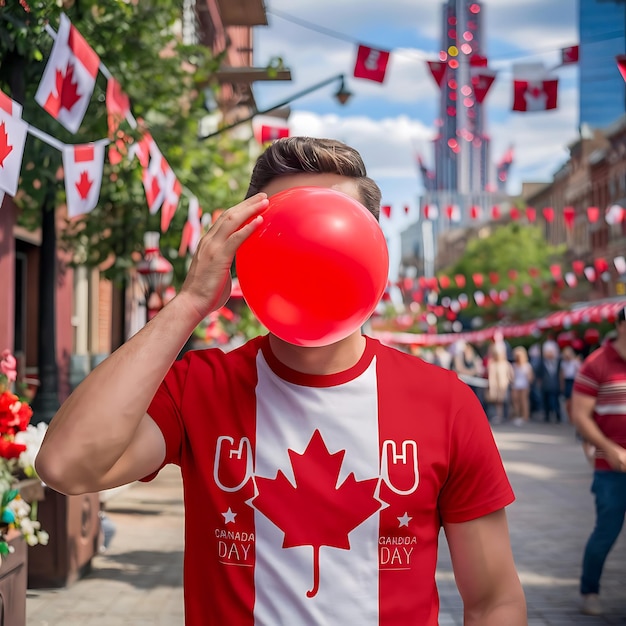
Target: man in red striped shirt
{"type": "Point", "coordinates": [599, 414]}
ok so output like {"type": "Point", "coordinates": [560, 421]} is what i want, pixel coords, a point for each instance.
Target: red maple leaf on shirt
{"type": "Point", "coordinates": [5, 148]}
{"type": "Point", "coordinates": [84, 185]}
{"type": "Point", "coordinates": [316, 511]}
{"type": "Point", "coordinates": [66, 95]}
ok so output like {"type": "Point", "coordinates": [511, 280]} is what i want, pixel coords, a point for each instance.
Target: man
{"type": "Point", "coordinates": [550, 378]}
{"type": "Point", "coordinates": [316, 479]}
{"type": "Point", "coordinates": [599, 414]}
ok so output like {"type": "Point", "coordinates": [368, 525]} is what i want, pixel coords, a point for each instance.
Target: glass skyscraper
{"type": "Point", "coordinates": [602, 92]}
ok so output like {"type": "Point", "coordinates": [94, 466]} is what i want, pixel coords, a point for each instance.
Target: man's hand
{"type": "Point", "coordinates": [208, 284]}
{"type": "Point", "coordinates": [616, 457]}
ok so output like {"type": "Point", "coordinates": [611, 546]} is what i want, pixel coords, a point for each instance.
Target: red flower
{"type": "Point", "coordinates": [14, 414]}
{"type": "Point", "coordinates": [10, 449]}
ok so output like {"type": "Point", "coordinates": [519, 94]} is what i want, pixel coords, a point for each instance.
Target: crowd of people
{"type": "Point", "coordinates": [515, 384]}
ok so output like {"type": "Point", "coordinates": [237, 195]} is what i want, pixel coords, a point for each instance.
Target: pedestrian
{"type": "Point", "coordinates": [550, 378]}
{"type": "Point", "coordinates": [523, 377]}
{"type": "Point", "coordinates": [599, 414]}
{"type": "Point", "coordinates": [570, 364]}
{"type": "Point", "coordinates": [316, 478]}
{"type": "Point", "coordinates": [499, 379]}
{"type": "Point", "coordinates": [468, 364]}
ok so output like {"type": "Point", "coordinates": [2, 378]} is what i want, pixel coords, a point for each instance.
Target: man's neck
{"type": "Point", "coordinates": [322, 360]}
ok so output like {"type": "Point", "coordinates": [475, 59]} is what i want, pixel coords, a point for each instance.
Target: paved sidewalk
{"type": "Point", "coordinates": [549, 523]}
{"type": "Point", "coordinates": [137, 582]}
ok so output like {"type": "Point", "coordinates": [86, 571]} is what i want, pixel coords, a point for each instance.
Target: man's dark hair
{"type": "Point", "coordinates": [298, 155]}
{"type": "Point", "coordinates": [621, 315]}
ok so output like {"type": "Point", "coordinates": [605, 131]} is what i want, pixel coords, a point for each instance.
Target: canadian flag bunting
{"type": "Point", "coordinates": [569, 216]}
{"type": "Point", "coordinates": [482, 79]}
{"type": "Point", "coordinates": [13, 131]}
{"type": "Point", "coordinates": [82, 168]}
{"type": "Point", "coordinates": [438, 70]}
{"type": "Point", "coordinates": [533, 88]}
{"type": "Point", "coordinates": [593, 214]}
{"type": "Point", "coordinates": [154, 178]}
{"type": "Point", "coordinates": [569, 55]}
{"type": "Point", "coordinates": [173, 189]}
{"type": "Point", "coordinates": [141, 150]}
{"type": "Point", "coordinates": [193, 219]}
{"type": "Point", "coordinates": [69, 77]}
{"type": "Point", "coordinates": [266, 130]}
{"type": "Point", "coordinates": [431, 212]}
{"type": "Point", "coordinates": [590, 274]}
{"type": "Point", "coordinates": [118, 108]}
{"type": "Point", "coordinates": [453, 213]}
{"type": "Point", "coordinates": [371, 63]}
{"type": "Point", "coordinates": [386, 210]}
{"type": "Point", "coordinates": [614, 214]}
{"type": "Point", "coordinates": [8, 105]}
{"type": "Point", "coordinates": [570, 279]}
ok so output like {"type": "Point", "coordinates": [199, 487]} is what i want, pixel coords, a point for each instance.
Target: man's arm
{"type": "Point", "coordinates": [485, 571]}
{"type": "Point", "coordinates": [582, 417]}
{"type": "Point", "coordinates": [101, 436]}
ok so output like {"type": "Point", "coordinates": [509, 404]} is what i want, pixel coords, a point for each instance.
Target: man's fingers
{"type": "Point", "coordinates": [235, 218]}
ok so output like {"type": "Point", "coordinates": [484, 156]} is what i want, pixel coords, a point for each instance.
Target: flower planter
{"type": "Point", "coordinates": [13, 580]}
{"type": "Point", "coordinates": [74, 528]}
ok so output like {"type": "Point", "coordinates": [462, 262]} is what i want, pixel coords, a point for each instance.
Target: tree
{"type": "Point", "coordinates": [520, 258]}
{"type": "Point", "coordinates": [165, 80]}
{"type": "Point", "coordinates": [138, 42]}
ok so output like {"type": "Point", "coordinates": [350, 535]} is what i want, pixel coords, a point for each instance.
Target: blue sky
{"type": "Point", "coordinates": [389, 122]}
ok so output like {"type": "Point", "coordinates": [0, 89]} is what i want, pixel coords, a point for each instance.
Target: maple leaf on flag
{"type": "Point", "coordinates": [5, 148]}
{"type": "Point", "coordinates": [84, 185]}
{"type": "Point", "coordinates": [316, 511]}
{"type": "Point", "coordinates": [66, 95]}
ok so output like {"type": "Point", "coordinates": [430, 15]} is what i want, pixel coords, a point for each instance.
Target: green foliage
{"type": "Point", "coordinates": [514, 247]}
{"type": "Point", "coordinates": [139, 44]}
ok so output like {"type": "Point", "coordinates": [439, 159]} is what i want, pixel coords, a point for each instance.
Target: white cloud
{"type": "Point", "coordinates": [387, 123]}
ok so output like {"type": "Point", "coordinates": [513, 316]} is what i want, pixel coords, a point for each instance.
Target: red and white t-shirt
{"type": "Point", "coordinates": [319, 499]}
{"type": "Point", "coordinates": [603, 377]}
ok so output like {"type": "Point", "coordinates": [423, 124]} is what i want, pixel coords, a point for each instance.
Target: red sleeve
{"type": "Point", "coordinates": [165, 410]}
{"type": "Point", "coordinates": [477, 483]}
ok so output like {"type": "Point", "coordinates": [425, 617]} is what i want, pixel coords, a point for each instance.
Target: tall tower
{"type": "Point", "coordinates": [461, 146]}
{"type": "Point", "coordinates": [459, 186]}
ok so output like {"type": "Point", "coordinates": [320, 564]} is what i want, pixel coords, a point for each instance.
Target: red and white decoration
{"type": "Point", "coordinates": [82, 167]}
{"type": "Point", "coordinates": [69, 78]}
{"type": "Point", "coordinates": [534, 89]}
{"type": "Point", "coordinates": [371, 63]}
{"type": "Point", "coordinates": [13, 131]}
{"type": "Point", "coordinates": [267, 128]}
{"type": "Point", "coordinates": [118, 109]}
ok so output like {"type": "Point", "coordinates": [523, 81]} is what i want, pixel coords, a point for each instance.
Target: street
{"type": "Point", "coordinates": [137, 582]}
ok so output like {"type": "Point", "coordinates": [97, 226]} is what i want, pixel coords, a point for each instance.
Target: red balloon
{"type": "Point", "coordinates": [316, 268]}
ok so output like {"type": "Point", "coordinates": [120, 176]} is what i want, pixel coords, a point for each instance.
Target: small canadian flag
{"type": "Point", "coordinates": [192, 230]}
{"type": "Point", "coordinates": [431, 211]}
{"type": "Point", "coordinates": [270, 131]}
{"type": "Point", "coordinates": [13, 131]}
{"type": "Point", "coordinates": [154, 177]}
{"type": "Point", "coordinates": [533, 88]}
{"type": "Point", "coordinates": [82, 168]}
{"type": "Point", "coordinates": [69, 78]}
{"type": "Point", "coordinates": [173, 189]}
{"type": "Point", "coordinates": [371, 63]}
